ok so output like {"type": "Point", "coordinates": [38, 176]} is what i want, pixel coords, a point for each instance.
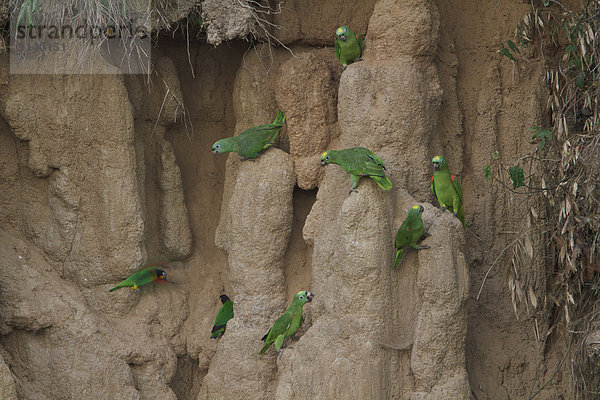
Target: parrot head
{"type": "Point", "coordinates": [439, 163]}
{"type": "Point", "coordinates": [160, 274]}
{"type": "Point", "coordinates": [326, 158]}
{"type": "Point", "coordinates": [224, 146]}
{"type": "Point", "coordinates": [224, 298]}
{"type": "Point", "coordinates": [342, 33]}
{"type": "Point", "coordinates": [303, 297]}
{"type": "Point", "coordinates": [416, 209]}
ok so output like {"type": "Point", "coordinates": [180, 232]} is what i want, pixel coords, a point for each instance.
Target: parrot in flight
{"type": "Point", "coordinates": [288, 324]}
{"type": "Point", "coordinates": [358, 161]}
{"type": "Point", "coordinates": [447, 189]}
{"type": "Point", "coordinates": [143, 277]}
{"type": "Point", "coordinates": [348, 46]}
{"type": "Point", "coordinates": [410, 233]}
{"type": "Point", "coordinates": [225, 314]}
{"type": "Point", "coordinates": [252, 141]}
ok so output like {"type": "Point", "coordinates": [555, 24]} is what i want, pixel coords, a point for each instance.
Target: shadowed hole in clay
{"type": "Point", "coordinates": [188, 377]}
{"type": "Point", "coordinates": [298, 256]}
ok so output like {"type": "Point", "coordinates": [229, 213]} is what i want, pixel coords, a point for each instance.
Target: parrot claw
{"type": "Point", "coordinates": [353, 190]}
{"type": "Point", "coordinates": [344, 67]}
{"type": "Point", "coordinates": [358, 59]}
{"type": "Point", "coordinates": [247, 159]}
{"type": "Point", "coordinates": [454, 213]}
{"type": "Point", "coordinates": [443, 208]}
{"type": "Point", "coordinates": [422, 247]}
{"type": "Point", "coordinates": [426, 235]}
{"type": "Point", "coordinates": [279, 353]}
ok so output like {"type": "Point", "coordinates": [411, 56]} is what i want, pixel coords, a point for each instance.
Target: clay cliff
{"type": "Point", "coordinates": [102, 173]}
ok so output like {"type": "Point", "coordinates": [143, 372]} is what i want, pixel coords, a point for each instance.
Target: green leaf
{"type": "Point", "coordinates": [506, 53]}
{"type": "Point", "coordinates": [22, 12]}
{"type": "Point", "coordinates": [29, 16]}
{"type": "Point", "coordinates": [517, 176]}
{"type": "Point", "coordinates": [542, 135]}
{"type": "Point", "coordinates": [486, 173]}
{"type": "Point", "coordinates": [580, 80]}
{"type": "Point", "coordinates": [495, 155]}
{"type": "Point", "coordinates": [512, 46]}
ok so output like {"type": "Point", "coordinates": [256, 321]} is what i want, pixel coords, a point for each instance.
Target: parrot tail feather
{"type": "Point", "coordinates": [265, 347]}
{"type": "Point", "coordinates": [461, 217]}
{"type": "Point", "coordinates": [399, 255]}
{"type": "Point", "coordinates": [116, 288]}
{"type": "Point", "coordinates": [279, 119]}
{"type": "Point", "coordinates": [383, 182]}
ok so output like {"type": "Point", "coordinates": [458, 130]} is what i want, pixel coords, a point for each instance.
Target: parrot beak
{"type": "Point", "coordinates": [436, 166]}
{"type": "Point", "coordinates": [214, 151]}
{"type": "Point", "coordinates": [343, 37]}
{"type": "Point", "coordinates": [309, 296]}
{"type": "Point", "coordinates": [323, 163]}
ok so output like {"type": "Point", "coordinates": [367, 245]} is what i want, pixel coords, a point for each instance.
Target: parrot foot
{"type": "Point", "coordinates": [443, 208]}
{"type": "Point", "coordinates": [454, 213]}
{"type": "Point", "coordinates": [247, 159]}
{"type": "Point", "coordinates": [425, 235]}
{"type": "Point", "coordinates": [353, 190]}
{"type": "Point", "coordinates": [279, 353]}
{"type": "Point", "coordinates": [344, 67]}
{"type": "Point", "coordinates": [358, 59]}
{"type": "Point", "coordinates": [422, 247]}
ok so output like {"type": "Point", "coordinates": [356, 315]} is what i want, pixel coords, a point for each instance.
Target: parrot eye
{"type": "Point", "coordinates": [301, 297]}
{"type": "Point", "coordinates": [327, 157]}
{"type": "Point", "coordinates": [217, 146]}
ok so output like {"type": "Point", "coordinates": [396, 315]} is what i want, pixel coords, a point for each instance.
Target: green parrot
{"type": "Point", "coordinates": [348, 46]}
{"type": "Point", "coordinates": [143, 277]}
{"type": "Point", "coordinates": [252, 141]}
{"type": "Point", "coordinates": [288, 324]}
{"type": "Point", "coordinates": [410, 233]}
{"type": "Point", "coordinates": [224, 315]}
{"type": "Point", "coordinates": [447, 189]}
{"type": "Point", "coordinates": [358, 161]}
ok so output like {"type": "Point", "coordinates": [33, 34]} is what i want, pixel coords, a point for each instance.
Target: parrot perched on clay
{"type": "Point", "coordinates": [143, 277]}
{"type": "Point", "coordinates": [410, 233]}
{"type": "Point", "coordinates": [358, 161]}
{"type": "Point", "coordinates": [348, 46]}
{"type": "Point", "coordinates": [447, 189]}
{"type": "Point", "coordinates": [288, 324]}
{"type": "Point", "coordinates": [252, 141]}
{"type": "Point", "coordinates": [225, 314]}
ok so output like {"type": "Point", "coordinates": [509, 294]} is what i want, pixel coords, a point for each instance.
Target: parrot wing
{"type": "Point", "coordinates": [377, 160]}
{"type": "Point", "coordinates": [457, 187]}
{"type": "Point", "coordinates": [254, 140]}
{"type": "Point", "coordinates": [360, 41]}
{"type": "Point", "coordinates": [223, 316]}
{"type": "Point", "coordinates": [403, 236]}
{"type": "Point", "coordinates": [361, 161]}
{"type": "Point", "coordinates": [369, 156]}
{"type": "Point", "coordinates": [137, 279]}
{"type": "Point", "coordinates": [279, 327]}
{"type": "Point", "coordinates": [433, 187]}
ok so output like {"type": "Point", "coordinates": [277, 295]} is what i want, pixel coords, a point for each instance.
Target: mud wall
{"type": "Point", "coordinates": [102, 173]}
